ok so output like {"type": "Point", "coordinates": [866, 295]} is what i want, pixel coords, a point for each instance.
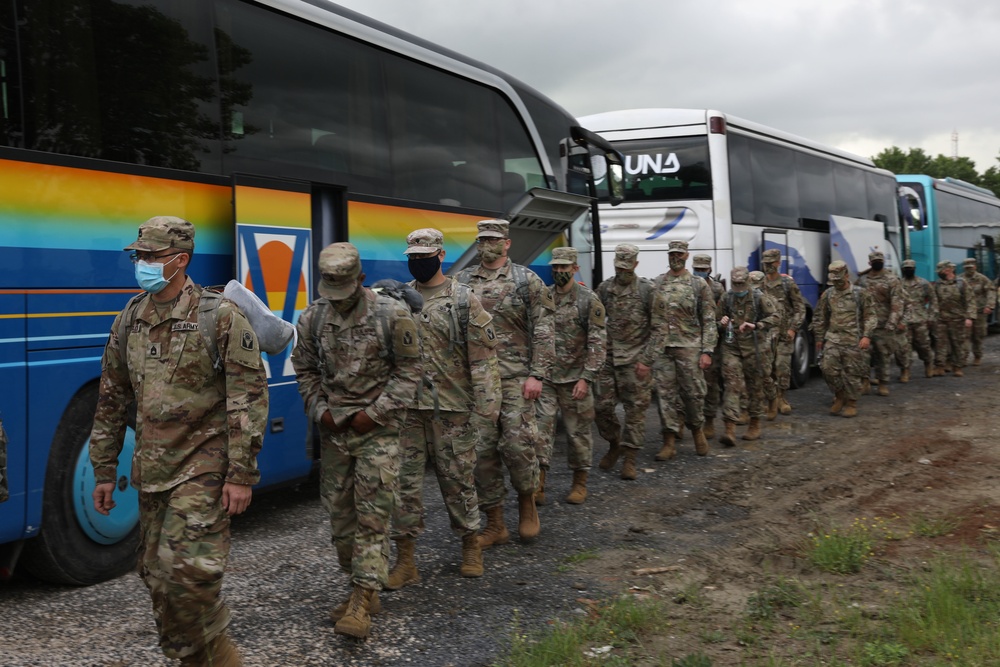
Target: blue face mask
{"type": "Point", "coordinates": [702, 274]}
{"type": "Point", "coordinates": [149, 275]}
{"type": "Point", "coordinates": [741, 294]}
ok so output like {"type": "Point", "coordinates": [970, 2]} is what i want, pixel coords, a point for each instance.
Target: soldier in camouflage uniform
{"type": "Point", "coordinates": [627, 300]}
{"type": "Point", "coordinates": [843, 326]}
{"type": "Point", "coordinates": [4, 487]}
{"type": "Point", "coordinates": [982, 288]}
{"type": "Point", "coordinates": [919, 313]}
{"type": "Point", "coordinates": [522, 320]}
{"type": "Point", "coordinates": [957, 308]}
{"type": "Point", "coordinates": [756, 281]}
{"type": "Point", "coordinates": [788, 297]}
{"type": "Point", "coordinates": [746, 315]}
{"type": "Point", "coordinates": [459, 359]}
{"type": "Point", "coordinates": [198, 431]}
{"type": "Point", "coordinates": [681, 342]}
{"type": "Point", "coordinates": [358, 364]}
{"type": "Point", "coordinates": [887, 295]}
{"type": "Point", "coordinates": [580, 353]}
{"type": "Point", "coordinates": [702, 267]}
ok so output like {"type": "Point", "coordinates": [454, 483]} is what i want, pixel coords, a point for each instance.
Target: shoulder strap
{"type": "Point", "coordinates": [583, 308]}
{"type": "Point", "coordinates": [319, 317]}
{"type": "Point", "coordinates": [784, 283]}
{"type": "Point", "coordinates": [383, 318]}
{"type": "Point", "coordinates": [208, 319]}
{"type": "Point", "coordinates": [729, 303]}
{"type": "Point", "coordinates": [520, 275]}
{"type": "Point", "coordinates": [464, 276]}
{"type": "Point", "coordinates": [126, 322]}
{"type": "Point", "coordinates": [460, 317]}
{"type": "Point", "coordinates": [602, 291]}
{"type": "Point", "coordinates": [697, 296]}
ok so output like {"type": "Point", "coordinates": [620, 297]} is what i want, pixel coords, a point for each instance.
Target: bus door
{"type": "Point", "coordinates": [274, 258]}
{"type": "Point", "coordinates": [851, 239]}
{"type": "Point", "coordinates": [775, 238]}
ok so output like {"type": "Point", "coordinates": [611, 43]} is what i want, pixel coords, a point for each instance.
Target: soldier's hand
{"type": "Point", "coordinates": [580, 390]}
{"type": "Point", "coordinates": [327, 421]}
{"type": "Point", "coordinates": [362, 423]}
{"type": "Point", "coordinates": [725, 320]}
{"type": "Point", "coordinates": [236, 498]}
{"type": "Point", "coordinates": [791, 335]}
{"type": "Point", "coordinates": [532, 388]}
{"type": "Point", "coordinates": [968, 324]}
{"type": "Point", "coordinates": [102, 497]}
{"type": "Point", "coordinates": [641, 370]}
{"type": "Point", "coordinates": [865, 343]}
{"type": "Point", "coordinates": [704, 361]}
{"type": "Point", "coordinates": [747, 326]}
{"type": "Point", "coordinates": [819, 346]}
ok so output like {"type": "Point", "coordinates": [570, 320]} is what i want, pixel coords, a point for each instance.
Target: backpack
{"type": "Point", "coordinates": [208, 317]}
{"type": "Point", "coordinates": [521, 285]}
{"type": "Point", "coordinates": [697, 295]}
{"type": "Point", "coordinates": [582, 307]}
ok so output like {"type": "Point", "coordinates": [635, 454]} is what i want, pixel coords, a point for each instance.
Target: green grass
{"type": "Point", "coordinates": [926, 526]}
{"type": "Point", "coordinates": [845, 550]}
{"type": "Point", "coordinates": [579, 557]}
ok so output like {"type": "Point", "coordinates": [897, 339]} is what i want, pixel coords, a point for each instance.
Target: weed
{"type": "Point", "coordinates": [765, 604]}
{"type": "Point", "coordinates": [693, 660]}
{"type": "Point", "coordinates": [926, 526]}
{"type": "Point", "coordinates": [881, 654]}
{"type": "Point", "coordinates": [845, 551]}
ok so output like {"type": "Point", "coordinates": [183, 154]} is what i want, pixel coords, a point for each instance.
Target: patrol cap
{"type": "Point", "coordinates": [339, 266]}
{"type": "Point", "coordinates": [876, 254]}
{"type": "Point", "coordinates": [626, 255]}
{"type": "Point", "coordinates": [771, 255]}
{"type": "Point", "coordinates": [496, 229]}
{"type": "Point", "coordinates": [739, 275]}
{"type": "Point", "coordinates": [969, 261]}
{"type": "Point", "coordinates": [424, 240]}
{"type": "Point", "coordinates": [909, 264]}
{"type": "Point", "coordinates": [702, 261]}
{"type": "Point", "coordinates": [836, 270]}
{"type": "Point", "coordinates": [162, 232]}
{"type": "Point", "coordinates": [677, 246]}
{"type": "Point", "coordinates": [564, 256]}
{"type": "Point", "coordinates": [756, 278]}
{"type": "Point", "coordinates": [944, 264]}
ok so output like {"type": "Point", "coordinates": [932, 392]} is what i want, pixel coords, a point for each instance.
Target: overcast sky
{"type": "Point", "coordinates": [861, 75]}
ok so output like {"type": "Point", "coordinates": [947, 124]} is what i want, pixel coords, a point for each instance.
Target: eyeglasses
{"type": "Point", "coordinates": [137, 257]}
{"type": "Point", "coordinates": [489, 239]}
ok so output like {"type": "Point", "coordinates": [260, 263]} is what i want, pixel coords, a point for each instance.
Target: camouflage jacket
{"type": "Point", "coordinates": [844, 316]}
{"type": "Point", "coordinates": [190, 418]}
{"type": "Point", "coordinates": [350, 369]}
{"type": "Point", "coordinates": [4, 486]}
{"type": "Point", "coordinates": [525, 331]}
{"type": "Point", "coordinates": [788, 297]}
{"type": "Point", "coordinates": [982, 288]}
{"type": "Point", "coordinates": [920, 300]}
{"type": "Point", "coordinates": [461, 365]}
{"type": "Point", "coordinates": [627, 308]}
{"type": "Point", "coordinates": [887, 296]}
{"type": "Point", "coordinates": [956, 300]}
{"type": "Point", "coordinates": [683, 315]}
{"type": "Point", "coordinates": [758, 308]}
{"type": "Point", "coordinates": [580, 341]}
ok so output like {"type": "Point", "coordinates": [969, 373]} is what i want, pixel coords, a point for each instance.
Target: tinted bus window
{"type": "Point", "coordinates": [667, 169]}
{"type": "Point", "coordinates": [774, 185]}
{"type": "Point", "coordinates": [740, 180]}
{"type": "Point", "coordinates": [852, 195]}
{"type": "Point", "coordinates": [814, 177]}
{"type": "Point", "coordinates": [881, 191]}
{"type": "Point", "coordinates": [949, 211]}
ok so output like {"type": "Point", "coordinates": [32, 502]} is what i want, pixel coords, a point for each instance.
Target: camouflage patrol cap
{"type": "Point", "coordinates": [771, 255]}
{"type": "Point", "coordinates": [944, 264]}
{"type": "Point", "coordinates": [969, 261]}
{"type": "Point", "coordinates": [702, 261]}
{"type": "Point", "coordinates": [339, 266]}
{"type": "Point", "coordinates": [756, 278]}
{"type": "Point", "coordinates": [739, 275]}
{"type": "Point", "coordinates": [162, 232]}
{"type": "Point", "coordinates": [497, 229]}
{"type": "Point", "coordinates": [835, 270]}
{"type": "Point", "coordinates": [677, 246]}
{"type": "Point", "coordinates": [876, 254]}
{"type": "Point", "coordinates": [424, 240]}
{"type": "Point", "coordinates": [626, 255]}
{"type": "Point", "coordinates": [563, 256]}
{"type": "Point", "coordinates": [909, 264]}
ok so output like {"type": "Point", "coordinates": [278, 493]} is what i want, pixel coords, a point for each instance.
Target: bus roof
{"type": "Point", "coordinates": [953, 185]}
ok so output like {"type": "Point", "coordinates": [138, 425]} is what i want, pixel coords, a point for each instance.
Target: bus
{"type": "Point", "coordinates": [276, 127]}
{"type": "Point", "coordinates": [949, 219]}
{"type": "Point", "coordinates": [732, 188]}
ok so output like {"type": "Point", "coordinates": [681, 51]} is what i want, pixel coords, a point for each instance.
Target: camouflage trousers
{"type": "Point", "coordinates": [742, 377]}
{"type": "Point", "coordinates": [512, 441]}
{"type": "Point", "coordinates": [782, 374]}
{"type": "Point", "coordinates": [952, 343]}
{"type": "Point", "coordinates": [713, 386]}
{"type": "Point", "coordinates": [359, 478]}
{"type": "Point", "coordinates": [185, 547]}
{"type": "Point", "coordinates": [884, 343]}
{"type": "Point", "coordinates": [4, 486]}
{"type": "Point", "coordinates": [619, 384]}
{"type": "Point", "coordinates": [676, 371]}
{"type": "Point", "coordinates": [978, 334]}
{"type": "Point", "coordinates": [449, 443]}
{"type": "Point", "coordinates": [578, 418]}
{"type": "Point", "coordinates": [916, 337]}
{"type": "Point", "coordinates": [845, 368]}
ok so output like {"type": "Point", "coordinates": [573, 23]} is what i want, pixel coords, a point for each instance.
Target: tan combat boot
{"type": "Point", "coordinates": [709, 428]}
{"type": "Point", "coordinates": [496, 530]}
{"type": "Point", "coordinates": [669, 450]}
{"type": "Point", "coordinates": [928, 370]}
{"type": "Point", "coordinates": [883, 388]}
{"type": "Point", "coordinates": [578, 492]}
{"type": "Point", "coordinates": [404, 572]}
{"type": "Point", "coordinates": [729, 437]}
{"type": "Point", "coordinates": [866, 386]}
{"type": "Point", "coordinates": [700, 441]}
{"type": "Point", "coordinates": [772, 410]}
{"type": "Point", "coordinates": [528, 525]}
{"type": "Point", "coordinates": [743, 419]}
{"type": "Point", "coordinates": [753, 431]}
{"type": "Point", "coordinates": [374, 607]}
{"type": "Point", "coordinates": [611, 458]}
{"type": "Point", "coordinates": [220, 652]}
{"type": "Point", "coordinates": [540, 493]}
{"type": "Point", "coordinates": [838, 404]}
{"type": "Point", "coordinates": [850, 409]}
{"type": "Point", "coordinates": [628, 466]}
{"type": "Point", "coordinates": [680, 432]}
{"type": "Point", "coordinates": [784, 407]}
{"type": "Point", "coordinates": [357, 620]}
{"type": "Point", "coordinates": [904, 376]}
{"type": "Point", "coordinates": [977, 361]}
{"type": "Point", "coordinates": [958, 373]}
{"type": "Point", "coordinates": [472, 556]}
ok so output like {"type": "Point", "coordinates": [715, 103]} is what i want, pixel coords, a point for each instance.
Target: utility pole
{"type": "Point", "coordinates": [954, 144]}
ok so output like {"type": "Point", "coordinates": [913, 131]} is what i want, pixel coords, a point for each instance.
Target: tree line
{"type": "Point", "coordinates": [917, 161]}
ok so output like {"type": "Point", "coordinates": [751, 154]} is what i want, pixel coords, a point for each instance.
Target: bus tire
{"type": "Point", "coordinates": [801, 358]}
{"type": "Point", "coordinates": [62, 552]}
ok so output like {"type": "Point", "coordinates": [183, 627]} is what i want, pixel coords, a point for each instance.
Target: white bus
{"type": "Point", "coordinates": [732, 188]}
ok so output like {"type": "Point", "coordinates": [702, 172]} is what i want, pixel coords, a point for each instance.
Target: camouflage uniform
{"type": "Point", "coordinates": [843, 317]}
{"type": "Point", "coordinates": [888, 299]}
{"type": "Point", "coordinates": [919, 313]}
{"type": "Point", "coordinates": [983, 290]}
{"type": "Point", "coordinates": [767, 343]}
{"type": "Point", "coordinates": [580, 352]}
{"type": "Point", "coordinates": [197, 428]}
{"type": "Point", "coordinates": [4, 487]}
{"type": "Point", "coordinates": [956, 303]}
{"type": "Point", "coordinates": [357, 366]}
{"type": "Point", "coordinates": [628, 308]}
{"type": "Point", "coordinates": [792, 305]}
{"type": "Point", "coordinates": [702, 265]}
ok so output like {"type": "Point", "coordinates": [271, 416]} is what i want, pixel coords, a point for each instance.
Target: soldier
{"type": "Point", "coordinates": [627, 300]}
{"type": "Point", "coordinates": [789, 299]}
{"type": "Point", "coordinates": [459, 359]}
{"type": "Point", "coordinates": [746, 317]}
{"type": "Point", "coordinates": [580, 352]}
{"type": "Point", "coordinates": [843, 326]}
{"type": "Point", "coordinates": [887, 296]}
{"type": "Point", "coordinates": [982, 288]}
{"type": "Point", "coordinates": [702, 265]}
{"type": "Point", "coordinates": [956, 316]}
{"type": "Point", "coordinates": [357, 362]}
{"type": "Point", "coordinates": [919, 313]}
{"type": "Point", "coordinates": [200, 419]}
{"type": "Point", "coordinates": [522, 320]}
{"type": "Point", "coordinates": [756, 281]}
{"type": "Point", "coordinates": [682, 339]}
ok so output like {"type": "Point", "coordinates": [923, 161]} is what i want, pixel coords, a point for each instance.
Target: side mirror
{"type": "Point", "coordinates": [607, 165]}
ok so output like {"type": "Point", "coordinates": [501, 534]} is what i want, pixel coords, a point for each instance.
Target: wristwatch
{"type": "Point", "coordinates": [539, 378]}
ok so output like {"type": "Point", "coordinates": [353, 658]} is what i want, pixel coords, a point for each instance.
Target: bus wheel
{"type": "Point", "coordinates": [76, 545]}
{"type": "Point", "coordinates": [801, 358]}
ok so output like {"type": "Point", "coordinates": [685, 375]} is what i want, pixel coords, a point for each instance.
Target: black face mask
{"type": "Point", "coordinates": [877, 265]}
{"type": "Point", "coordinates": [425, 268]}
{"type": "Point", "coordinates": [942, 275]}
{"type": "Point", "coordinates": [909, 273]}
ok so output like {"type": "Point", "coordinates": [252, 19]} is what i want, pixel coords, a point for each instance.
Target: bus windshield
{"type": "Point", "coordinates": [667, 169]}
